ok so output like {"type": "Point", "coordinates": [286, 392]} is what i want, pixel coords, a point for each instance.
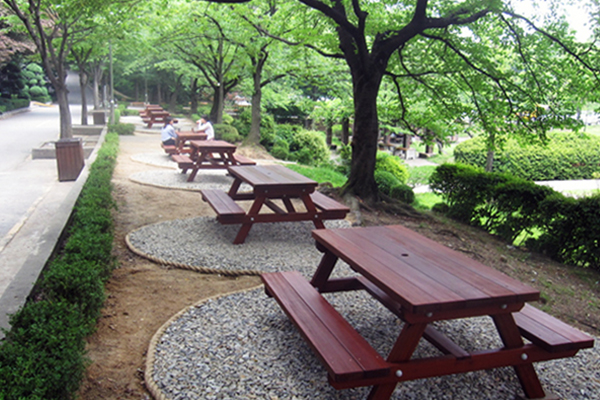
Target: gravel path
{"type": "Point", "coordinates": [242, 346]}
{"type": "Point", "coordinates": [203, 242]}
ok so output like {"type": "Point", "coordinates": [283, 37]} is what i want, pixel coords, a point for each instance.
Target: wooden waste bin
{"type": "Point", "coordinates": [69, 158]}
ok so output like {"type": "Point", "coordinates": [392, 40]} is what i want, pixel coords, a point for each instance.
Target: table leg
{"type": "Point", "coordinates": [311, 208]}
{"type": "Point", "coordinates": [509, 333]}
{"type": "Point", "coordinates": [324, 269]}
{"type": "Point", "coordinates": [403, 349]}
{"type": "Point", "coordinates": [245, 228]}
{"type": "Point", "coordinates": [199, 160]}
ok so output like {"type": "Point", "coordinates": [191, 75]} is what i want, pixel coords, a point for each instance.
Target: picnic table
{"type": "Point", "coordinates": [271, 183]}
{"type": "Point", "coordinates": [182, 140]}
{"type": "Point", "coordinates": [209, 154]}
{"type": "Point", "coordinates": [421, 282]}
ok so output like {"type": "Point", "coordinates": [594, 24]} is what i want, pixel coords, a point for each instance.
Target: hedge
{"type": "Point", "coordinates": [43, 354]}
{"type": "Point", "coordinates": [567, 156]}
{"type": "Point", "coordinates": [564, 228]}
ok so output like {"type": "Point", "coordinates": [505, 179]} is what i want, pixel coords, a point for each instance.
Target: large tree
{"type": "Point", "coordinates": [52, 25]}
{"type": "Point", "coordinates": [369, 33]}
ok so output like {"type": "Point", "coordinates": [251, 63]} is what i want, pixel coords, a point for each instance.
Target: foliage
{"type": "Point", "coordinates": [566, 156]}
{"type": "Point", "coordinates": [42, 356]}
{"type": "Point", "coordinates": [122, 129]}
{"type": "Point", "coordinates": [402, 192]}
{"type": "Point", "coordinates": [571, 233]}
{"type": "Point", "coordinates": [512, 207]}
{"type": "Point", "coordinates": [281, 150]}
{"type": "Point", "coordinates": [391, 164]}
{"type": "Point", "coordinates": [385, 181]}
{"type": "Point", "coordinates": [420, 175]}
{"type": "Point", "coordinates": [309, 148]}
{"type": "Point", "coordinates": [323, 174]}
{"type": "Point", "coordinates": [227, 133]}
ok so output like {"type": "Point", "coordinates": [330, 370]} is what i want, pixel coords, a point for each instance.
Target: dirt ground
{"type": "Point", "coordinates": [142, 296]}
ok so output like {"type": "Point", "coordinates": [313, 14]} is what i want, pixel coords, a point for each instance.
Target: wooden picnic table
{"type": "Point", "coordinates": [183, 139]}
{"type": "Point", "coordinates": [271, 183]}
{"type": "Point", "coordinates": [209, 154]}
{"type": "Point", "coordinates": [420, 281]}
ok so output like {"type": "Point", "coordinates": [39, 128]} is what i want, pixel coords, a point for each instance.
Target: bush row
{"type": "Point", "coordinates": [564, 228]}
{"type": "Point", "coordinates": [567, 155]}
{"type": "Point", "coordinates": [42, 356]}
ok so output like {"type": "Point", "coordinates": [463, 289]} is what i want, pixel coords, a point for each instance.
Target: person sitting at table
{"type": "Point", "coordinates": [205, 126]}
{"type": "Point", "coordinates": [167, 133]}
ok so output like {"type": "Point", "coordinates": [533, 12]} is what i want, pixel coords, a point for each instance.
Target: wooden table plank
{"type": "Point", "coordinates": [421, 274]}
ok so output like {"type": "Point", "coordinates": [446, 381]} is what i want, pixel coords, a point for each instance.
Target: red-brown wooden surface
{"type": "Point", "coordinates": [421, 274]}
{"type": "Point", "coordinates": [345, 353]}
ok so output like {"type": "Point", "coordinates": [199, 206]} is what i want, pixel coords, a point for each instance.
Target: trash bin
{"type": "Point", "coordinates": [69, 158]}
{"type": "Point", "coordinates": [99, 117]}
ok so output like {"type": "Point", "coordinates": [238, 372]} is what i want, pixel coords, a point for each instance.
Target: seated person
{"type": "Point", "coordinates": [167, 133]}
{"type": "Point", "coordinates": [205, 126]}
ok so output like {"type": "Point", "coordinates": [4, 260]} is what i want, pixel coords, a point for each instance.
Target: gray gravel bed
{"type": "Point", "coordinates": [155, 158]}
{"type": "Point", "coordinates": [174, 179]}
{"type": "Point", "coordinates": [204, 242]}
{"type": "Point", "coordinates": [242, 346]}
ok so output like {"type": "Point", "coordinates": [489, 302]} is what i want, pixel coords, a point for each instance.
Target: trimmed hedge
{"type": "Point", "coordinates": [42, 356]}
{"type": "Point", "coordinates": [567, 156]}
{"type": "Point", "coordinates": [508, 206]}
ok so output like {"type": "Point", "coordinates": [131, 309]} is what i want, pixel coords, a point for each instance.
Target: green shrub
{"type": "Point", "coordinates": [42, 355]}
{"type": "Point", "coordinates": [227, 119]}
{"type": "Point", "coordinates": [391, 164]}
{"type": "Point", "coordinates": [122, 129]}
{"type": "Point", "coordinates": [281, 150]}
{"type": "Point", "coordinates": [227, 133]}
{"type": "Point", "coordinates": [402, 192]}
{"type": "Point", "coordinates": [39, 93]}
{"type": "Point", "coordinates": [309, 148]}
{"type": "Point", "coordinates": [385, 180]}
{"type": "Point", "coordinates": [567, 156]}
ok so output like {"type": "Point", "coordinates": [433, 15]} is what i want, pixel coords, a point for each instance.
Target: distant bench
{"type": "Point", "coordinates": [229, 212]}
{"type": "Point", "coordinates": [154, 116]}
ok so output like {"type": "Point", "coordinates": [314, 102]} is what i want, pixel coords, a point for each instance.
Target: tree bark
{"type": "Point", "coordinates": [345, 130]}
{"type": "Point", "coordinates": [254, 135]}
{"type": "Point", "coordinates": [364, 136]}
{"type": "Point", "coordinates": [83, 81]}
{"type": "Point", "coordinates": [66, 125]}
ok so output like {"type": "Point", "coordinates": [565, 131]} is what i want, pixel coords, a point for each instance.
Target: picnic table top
{"type": "Point", "coordinates": [260, 176]}
{"type": "Point", "coordinates": [423, 275]}
{"type": "Point", "coordinates": [189, 135]}
{"type": "Point", "coordinates": [216, 145]}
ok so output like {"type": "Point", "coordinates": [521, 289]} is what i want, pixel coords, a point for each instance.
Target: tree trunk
{"type": "Point", "coordinates": [216, 111]}
{"type": "Point", "coordinates": [66, 125]}
{"type": "Point", "coordinates": [329, 133]}
{"type": "Point", "coordinates": [83, 80]}
{"type": "Point", "coordinates": [489, 162]}
{"type": "Point", "coordinates": [364, 136]}
{"type": "Point", "coordinates": [194, 96]}
{"type": "Point", "coordinates": [254, 135]}
{"type": "Point", "coordinates": [345, 130]}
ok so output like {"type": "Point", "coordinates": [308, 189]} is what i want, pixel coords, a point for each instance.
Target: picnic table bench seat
{"type": "Point", "coordinates": [228, 211]}
{"type": "Point", "coordinates": [550, 333]}
{"type": "Point", "coordinates": [169, 148]}
{"type": "Point", "coordinates": [184, 162]}
{"type": "Point", "coordinates": [330, 208]}
{"type": "Point", "coordinates": [348, 357]}
{"type": "Point", "coordinates": [243, 160]}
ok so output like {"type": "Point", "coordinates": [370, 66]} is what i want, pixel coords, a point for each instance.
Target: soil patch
{"type": "Point", "coordinates": [143, 295]}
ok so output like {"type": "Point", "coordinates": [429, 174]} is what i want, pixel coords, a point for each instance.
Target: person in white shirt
{"type": "Point", "coordinates": [205, 126]}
